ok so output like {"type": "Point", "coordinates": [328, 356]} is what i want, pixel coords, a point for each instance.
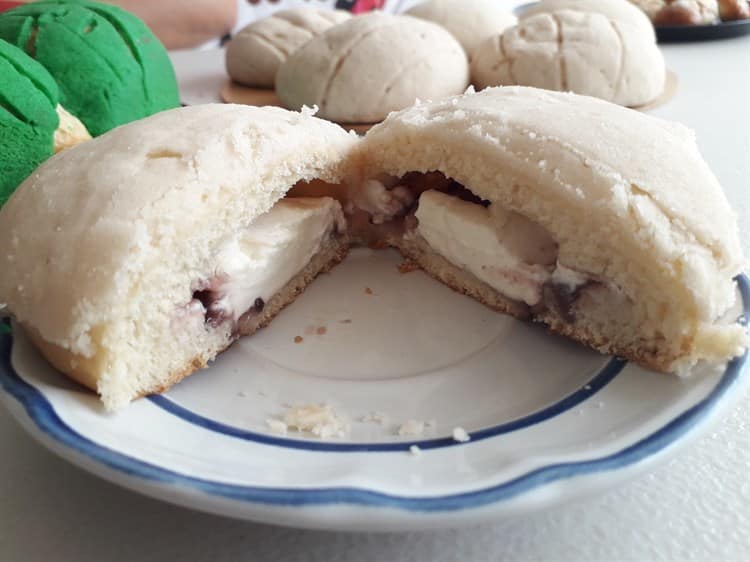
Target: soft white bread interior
{"type": "Point", "coordinates": [111, 249]}
{"type": "Point", "coordinates": [647, 245]}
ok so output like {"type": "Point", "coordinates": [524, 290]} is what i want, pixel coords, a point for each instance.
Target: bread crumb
{"type": "Point", "coordinates": [411, 427]}
{"type": "Point", "coordinates": [368, 290]}
{"type": "Point", "coordinates": [460, 435]}
{"type": "Point", "coordinates": [277, 426]}
{"type": "Point", "coordinates": [345, 321]}
{"type": "Point", "coordinates": [407, 266]}
{"type": "Point", "coordinates": [319, 419]}
{"type": "Point", "coordinates": [321, 330]}
{"type": "Point", "coordinates": [375, 417]}
{"type": "Point", "coordinates": [298, 339]}
{"type": "Point", "coordinates": [415, 450]}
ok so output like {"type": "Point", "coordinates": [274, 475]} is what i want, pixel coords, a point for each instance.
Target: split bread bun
{"type": "Point", "coordinates": [136, 260]}
{"type": "Point", "coordinates": [601, 222]}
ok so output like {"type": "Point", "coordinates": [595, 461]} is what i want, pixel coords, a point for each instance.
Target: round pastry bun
{"type": "Point", "coordinates": [123, 225]}
{"type": "Point", "coordinates": [256, 52]}
{"type": "Point", "coordinates": [110, 68]}
{"type": "Point", "coordinates": [583, 52]}
{"type": "Point", "coordinates": [370, 65]}
{"type": "Point", "coordinates": [627, 197]}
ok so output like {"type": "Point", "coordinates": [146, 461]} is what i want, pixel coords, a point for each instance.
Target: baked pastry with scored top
{"type": "Point", "coordinates": [607, 50]}
{"type": "Point", "coordinates": [256, 52]}
{"type": "Point", "coordinates": [364, 68]}
{"type": "Point", "coordinates": [33, 124]}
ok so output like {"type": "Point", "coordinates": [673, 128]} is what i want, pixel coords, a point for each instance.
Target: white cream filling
{"type": "Point", "coordinates": [258, 261]}
{"type": "Point", "coordinates": [570, 278]}
{"type": "Point", "coordinates": [505, 250]}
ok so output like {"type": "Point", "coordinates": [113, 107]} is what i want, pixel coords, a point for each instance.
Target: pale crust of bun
{"type": "Point", "coordinates": [627, 197]}
{"type": "Point", "coordinates": [370, 65]}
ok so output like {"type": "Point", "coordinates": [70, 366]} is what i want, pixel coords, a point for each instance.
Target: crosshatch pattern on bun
{"type": "Point", "coordinates": [364, 68]}
{"type": "Point", "coordinates": [604, 49]}
{"type": "Point", "coordinates": [256, 52]}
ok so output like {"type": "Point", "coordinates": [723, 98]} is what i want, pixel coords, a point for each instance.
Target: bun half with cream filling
{"type": "Point", "coordinates": [603, 223]}
{"type": "Point", "coordinates": [134, 261]}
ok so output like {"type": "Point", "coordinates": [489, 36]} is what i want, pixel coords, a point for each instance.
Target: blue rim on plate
{"type": "Point", "coordinates": [43, 415]}
{"type": "Point", "coordinates": [706, 32]}
{"type": "Point", "coordinates": [602, 378]}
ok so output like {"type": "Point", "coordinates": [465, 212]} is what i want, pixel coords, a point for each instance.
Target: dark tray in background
{"type": "Point", "coordinates": [707, 32]}
{"type": "Point", "coordinates": [685, 33]}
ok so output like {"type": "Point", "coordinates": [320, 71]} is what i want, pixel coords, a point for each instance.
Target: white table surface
{"type": "Point", "coordinates": [695, 506]}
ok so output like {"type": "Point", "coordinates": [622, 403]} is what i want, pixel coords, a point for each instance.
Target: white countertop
{"type": "Point", "coordinates": [694, 507]}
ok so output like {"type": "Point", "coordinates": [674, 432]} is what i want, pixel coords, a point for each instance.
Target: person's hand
{"type": "Point", "coordinates": [181, 25]}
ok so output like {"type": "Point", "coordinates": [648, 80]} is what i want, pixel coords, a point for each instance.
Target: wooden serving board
{"type": "Point", "coordinates": [232, 92]}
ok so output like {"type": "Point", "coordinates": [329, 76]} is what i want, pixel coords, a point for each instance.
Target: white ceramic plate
{"type": "Point", "coordinates": [548, 420]}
